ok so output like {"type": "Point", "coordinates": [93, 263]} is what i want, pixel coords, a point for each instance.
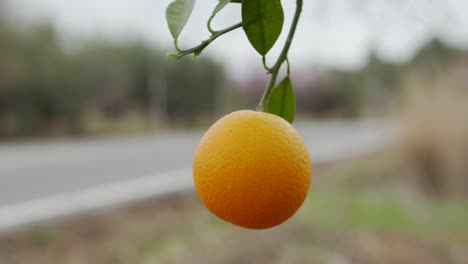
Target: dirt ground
{"type": "Point", "coordinates": [357, 212]}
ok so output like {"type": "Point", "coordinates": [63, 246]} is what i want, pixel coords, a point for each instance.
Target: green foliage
{"type": "Point", "coordinates": [282, 102]}
{"type": "Point", "coordinates": [35, 75]}
{"type": "Point", "coordinates": [47, 90]}
{"type": "Point", "coordinates": [262, 22]}
{"type": "Point", "coordinates": [178, 14]}
{"type": "Point", "coordinates": [194, 93]}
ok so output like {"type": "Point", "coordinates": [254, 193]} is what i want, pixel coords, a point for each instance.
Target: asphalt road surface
{"type": "Point", "coordinates": [36, 171]}
{"type": "Point", "coordinates": [31, 171]}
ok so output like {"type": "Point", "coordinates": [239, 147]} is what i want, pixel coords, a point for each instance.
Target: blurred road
{"type": "Point", "coordinates": [35, 171]}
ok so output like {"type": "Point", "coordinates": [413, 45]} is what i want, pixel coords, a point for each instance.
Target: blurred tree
{"type": "Point", "coordinates": [377, 86]}
{"type": "Point", "coordinates": [436, 54]}
{"type": "Point", "coordinates": [37, 92]}
{"type": "Point", "coordinates": [45, 89]}
{"type": "Point", "coordinates": [193, 88]}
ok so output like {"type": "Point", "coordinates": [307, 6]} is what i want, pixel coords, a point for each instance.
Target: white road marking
{"type": "Point", "coordinates": [36, 211]}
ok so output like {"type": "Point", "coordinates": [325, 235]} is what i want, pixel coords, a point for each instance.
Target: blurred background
{"type": "Point", "coordinates": [89, 99]}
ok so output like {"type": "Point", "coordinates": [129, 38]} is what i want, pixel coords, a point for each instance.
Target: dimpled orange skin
{"type": "Point", "coordinates": [252, 169]}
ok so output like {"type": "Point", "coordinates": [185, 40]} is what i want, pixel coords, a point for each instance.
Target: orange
{"type": "Point", "coordinates": [252, 169]}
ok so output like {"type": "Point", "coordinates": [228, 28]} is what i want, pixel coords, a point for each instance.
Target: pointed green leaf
{"type": "Point", "coordinates": [177, 15]}
{"type": "Point", "coordinates": [282, 102]}
{"type": "Point", "coordinates": [262, 22]}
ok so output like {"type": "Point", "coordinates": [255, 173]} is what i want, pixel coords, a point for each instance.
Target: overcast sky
{"type": "Point", "coordinates": [332, 33]}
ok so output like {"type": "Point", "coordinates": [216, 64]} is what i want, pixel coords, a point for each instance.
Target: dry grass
{"type": "Point", "coordinates": [434, 120]}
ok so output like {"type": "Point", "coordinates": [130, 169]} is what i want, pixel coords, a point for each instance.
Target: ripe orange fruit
{"type": "Point", "coordinates": [252, 169]}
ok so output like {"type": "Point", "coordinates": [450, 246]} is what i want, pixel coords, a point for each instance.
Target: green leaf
{"type": "Point", "coordinates": [220, 6]}
{"type": "Point", "coordinates": [282, 102]}
{"type": "Point", "coordinates": [177, 15]}
{"type": "Point", "coordinates": [263, 22]}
